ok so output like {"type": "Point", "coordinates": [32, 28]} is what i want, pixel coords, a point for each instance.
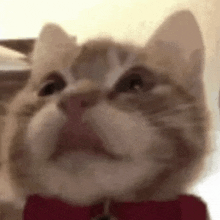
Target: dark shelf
{"type": "Point", "coordinates": [24, 46]}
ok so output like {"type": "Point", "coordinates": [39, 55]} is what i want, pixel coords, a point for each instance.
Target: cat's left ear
{"type": "Point", "coordinates": [177, 49]}
{"type": "Point", "coordinates": [53, 50]}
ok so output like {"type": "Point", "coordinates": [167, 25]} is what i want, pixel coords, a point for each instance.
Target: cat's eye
{"type": "Point", "coordinates": [54, 83]}
{"type": "Point", "coordinates": [136, 79]}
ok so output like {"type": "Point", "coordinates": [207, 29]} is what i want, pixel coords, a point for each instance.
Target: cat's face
{"type": "Point", "coordinates": [109, 120]}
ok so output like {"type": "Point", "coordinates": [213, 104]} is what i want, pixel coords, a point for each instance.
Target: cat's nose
{"type": "Point", "coordinates": [79, 102]}
{"type": "Point", "coordinates": [83, 96]}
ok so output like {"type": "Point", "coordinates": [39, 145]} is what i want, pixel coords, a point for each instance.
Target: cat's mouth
{"type": "Point", "coordinates": [82, 145]}
{"type": "Point", "coordinates": [79, 140]}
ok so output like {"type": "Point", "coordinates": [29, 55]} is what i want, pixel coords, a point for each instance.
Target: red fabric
{"type": "Point", "coordinates": [185, 208]}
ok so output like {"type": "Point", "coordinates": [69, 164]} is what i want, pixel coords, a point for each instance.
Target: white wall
{"type": "Point", "coordinates": [133, 20]}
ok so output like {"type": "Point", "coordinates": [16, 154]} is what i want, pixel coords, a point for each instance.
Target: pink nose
{"type": "Point", "coordinates": [78, 103]}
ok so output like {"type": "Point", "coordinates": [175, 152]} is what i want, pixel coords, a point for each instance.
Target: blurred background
{"type": "Point", "coordinates": [124, 20]}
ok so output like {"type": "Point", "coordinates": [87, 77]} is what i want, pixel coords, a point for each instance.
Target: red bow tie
{"type": "Point", "coordinates": [184, 208]}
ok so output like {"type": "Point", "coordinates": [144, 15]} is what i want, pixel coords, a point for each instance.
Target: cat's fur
{"type": "Point", "coordinates": [158, 135]}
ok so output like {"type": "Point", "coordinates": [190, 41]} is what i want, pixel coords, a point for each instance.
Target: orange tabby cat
{"type": "Point", "coordinates": [107, 120]}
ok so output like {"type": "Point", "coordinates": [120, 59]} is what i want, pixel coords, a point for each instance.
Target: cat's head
{"type": "Point", "coordinates": [110, 120]}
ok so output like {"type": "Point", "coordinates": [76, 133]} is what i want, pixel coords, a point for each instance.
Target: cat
{"type": "Point", "coordinates": [108, 120]}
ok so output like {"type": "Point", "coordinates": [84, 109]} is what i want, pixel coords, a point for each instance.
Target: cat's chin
{"type": "Point", "coordinates": [73, 160]}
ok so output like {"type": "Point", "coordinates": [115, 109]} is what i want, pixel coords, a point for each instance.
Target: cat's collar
{"type": "Point", "coordinates": [106, 212]}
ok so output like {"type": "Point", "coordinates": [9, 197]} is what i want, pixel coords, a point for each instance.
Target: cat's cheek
{"type": "Point", "coordinates": [129, 135]}
{"type": "Point", "coordinates": [43, 130]}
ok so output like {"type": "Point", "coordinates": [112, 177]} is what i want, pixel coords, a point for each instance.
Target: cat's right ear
{"type": "Point", "coordinates": [54, 49]}
{"type": "Point", "coordinates": [177, 49]}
